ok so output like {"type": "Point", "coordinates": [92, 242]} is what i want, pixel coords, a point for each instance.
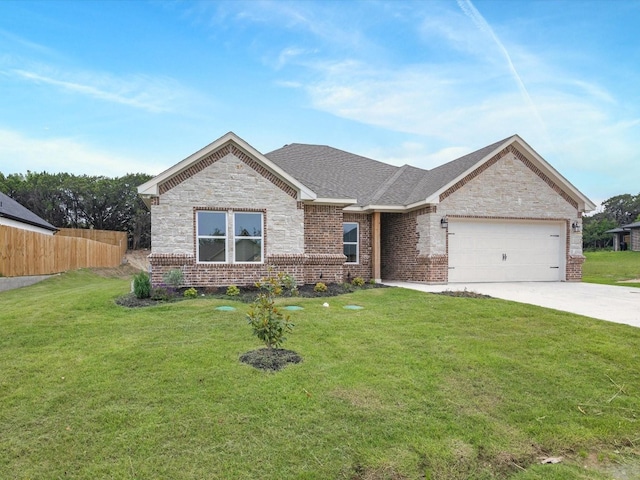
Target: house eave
{"type": "Point", "coordinates": [151, 188]}
{"type": "Point", "coordinates": [584, 204]}
{"type": "Point", "coordinates": [332, 201]}
{"type": "Point", "coordinates": [387, 208]}
{"type": "Point", "coordinates": [27, 222]}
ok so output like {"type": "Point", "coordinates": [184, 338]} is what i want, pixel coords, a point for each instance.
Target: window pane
{"type": "Point", "coordinates": [212, 224]}
{"type": "Point", "coordinates": [211, 250]}
{"type": "Point", "coordinates": [248, 250]}
{"type": "Point", "coordinates": [350, 232]}
{"type": "Point", "coordinates": [351, 251]}
{"type": "Point", "coordinates": [248, 224]}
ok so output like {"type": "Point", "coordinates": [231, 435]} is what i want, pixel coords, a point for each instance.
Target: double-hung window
{"type": "Point", "coordinates": [350, 239]}
{"type": "Point", "coordinates": [212, 236]}
{"type": "Point", "coordinates": [247, 237]}
{"type": "Point", "coordinates": [219, 243]}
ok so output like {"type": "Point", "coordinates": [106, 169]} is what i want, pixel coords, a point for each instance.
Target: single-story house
{"type": "Point", "coordinates": [627, 236]}
{"type": "Point", "coordinates": [12, 214]}
{"type": "Point", "coordinates": [228, 214]}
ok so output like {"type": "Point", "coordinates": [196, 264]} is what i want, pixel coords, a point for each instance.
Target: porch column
{"type": "Point", "coordinates": [375, 246]}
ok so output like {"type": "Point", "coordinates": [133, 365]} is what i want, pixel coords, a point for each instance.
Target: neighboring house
{"type": "Point", "coordinates": [629, 234]}
{"type": "Point", "coordinates": [12, 214]}
{"type": "Point", "coordinates": [228, 213]}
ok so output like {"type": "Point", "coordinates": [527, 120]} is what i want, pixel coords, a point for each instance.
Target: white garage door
{"type": "Point", "coordinates": [501, 251]}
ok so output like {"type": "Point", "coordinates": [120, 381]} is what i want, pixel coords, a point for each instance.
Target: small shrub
{"type": "Point", "coordinates": [320, 287]}
{"type": "Point", "coordinates": [233, 291]}
{"type": "Point", "coordinates": [190, 293]}
{"type": "Point", "coordinates": [142, 285]}
{"type": "Point", "coordinates": [160, 294]}
{"type": "Point", "coordinates": [357, 282]}
{"type": "Point", "coordinates": [372, 281]}
{"type": "Point", "coordinates": [288, 281]}
{"type": "Point", "coordinates": [174, 278]}
{"type": "Point", "coordinates": [269, 324]}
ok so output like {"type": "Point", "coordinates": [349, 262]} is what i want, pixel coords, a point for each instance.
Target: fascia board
{"type": "Point", "coordinates": [305, 192]}
{"type": "Point", "coordinates": [377, 208]}
{"type": "Point", "coordinates": [152, 186]}
{"type": "Point", "coordinates": [434, 198]}
{"type": "Point", "coordinates": [334, 201]}
{"type": "Point", "coordinates": [584, 203]}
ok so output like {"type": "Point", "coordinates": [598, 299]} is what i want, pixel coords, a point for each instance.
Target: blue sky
{"type": "Point", "coordinates": [115, 87]}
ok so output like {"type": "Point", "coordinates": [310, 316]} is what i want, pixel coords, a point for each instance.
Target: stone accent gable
{"type": "Point", "coordinates": [226, 184]}
{"type": "Point", "coordinates": [517, 154]}
{"type": "Point", "coordinates": [507, 186]}
{"type": "Point", "coordinates": [219, 154]}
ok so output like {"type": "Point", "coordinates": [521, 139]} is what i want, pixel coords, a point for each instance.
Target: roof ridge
{"type": "Point", "coordinates": [387, 183]}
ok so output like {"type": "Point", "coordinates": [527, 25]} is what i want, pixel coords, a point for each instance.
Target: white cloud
{"type": "Point", "coordinates": [153, 94]}
{"type": "Point", "coordinates": [19, 153]}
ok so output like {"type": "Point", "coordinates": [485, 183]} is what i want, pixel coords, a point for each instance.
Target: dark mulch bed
{"type": "Point", "coordinates": [270, 359]}
{"type": "Point", "coordinates": [462, 294]}
{"type": "Point", "coordinates": [247, 294]}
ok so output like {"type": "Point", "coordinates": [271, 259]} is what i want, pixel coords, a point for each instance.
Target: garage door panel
{"type": "Point", "coordinates": [486, 251]}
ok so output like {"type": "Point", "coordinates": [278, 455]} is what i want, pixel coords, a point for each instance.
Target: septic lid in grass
{"type": "Point", "coordinates": [353, 307]}
{"type": "Point", "coordinates": [293, 307]}
{"type": "Point", "coordinates": [226, 308]}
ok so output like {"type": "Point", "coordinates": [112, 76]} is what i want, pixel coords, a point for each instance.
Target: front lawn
{"type": "Point", "coordinates": [412, 386]}
{"type": "Point", "coordinates": [612, 268]}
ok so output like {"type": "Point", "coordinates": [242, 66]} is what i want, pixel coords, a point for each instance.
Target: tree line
{"type": "Point", "coordinates": [616, 211]}
{"type": "Point", "coordinates": [70, 201]}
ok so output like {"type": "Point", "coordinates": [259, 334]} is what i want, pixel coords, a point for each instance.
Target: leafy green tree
{"type": "Point", "coordinates": [594, 234]}
{"type": "Point", "coordinates": [72, 201]}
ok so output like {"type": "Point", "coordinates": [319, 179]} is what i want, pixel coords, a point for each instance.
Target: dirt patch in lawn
{"type": "Point", "coordinates": [270, 359]}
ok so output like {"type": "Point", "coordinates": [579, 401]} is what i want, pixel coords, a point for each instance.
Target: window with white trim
{"type": "Point", "coordinates": [211, 228]}
{"type": "Point", "coordinates": [350, 238]}
{"type": "Point", "coordinates": [242, 242]}
{"type": "Point", "coordinates": [247, 237]}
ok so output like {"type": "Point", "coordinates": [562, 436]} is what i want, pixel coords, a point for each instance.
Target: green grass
{"type": "Point", "coordinates": [413, 386]}
{"type": "Point", "coordinates": [611, 268]}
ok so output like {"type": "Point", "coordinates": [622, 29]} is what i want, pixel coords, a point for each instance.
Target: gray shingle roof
{"type": "Point", "coordinates": [632, 225]}
{"type": "Point", "coordinates": [333, 173]}
{"type": "Point", "coordinates": [9, 208]}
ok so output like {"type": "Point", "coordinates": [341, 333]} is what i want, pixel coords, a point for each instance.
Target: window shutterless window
{"type": "Point", "coordinates": [248, 237]}
{"type": "Point", "coordinates": [212, 236]}
{"type": "Point", "coordinates": [350, 237]}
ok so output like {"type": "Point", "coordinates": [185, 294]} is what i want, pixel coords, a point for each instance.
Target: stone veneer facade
{"type": "Point", "coordinates": [305, 240]}
{"type": "Point", "coordinates": [302, 240]}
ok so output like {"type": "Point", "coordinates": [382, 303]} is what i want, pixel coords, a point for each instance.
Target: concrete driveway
{"type": "Point", "coordinates": [605, 302]}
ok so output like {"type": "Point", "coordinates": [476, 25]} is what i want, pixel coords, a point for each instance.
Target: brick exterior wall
{"type": "Point", "coordinates": [363, 268]}
{"type": "Point", "coordinates": [511, 187]}
{"type": "Point", "coordinates": [323, 244]}
{"type": "Point", "coordinates": [305, 240]}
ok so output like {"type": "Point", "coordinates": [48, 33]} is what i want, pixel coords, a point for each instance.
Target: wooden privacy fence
{"type": "Point", "coordinates": [30, 253]}
{"type": "Point", "coordinates": [105, 236]}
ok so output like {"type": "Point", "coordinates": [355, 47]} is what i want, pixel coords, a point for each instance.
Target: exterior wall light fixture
{"type": "Point", "coordinates": [444, 222]}
{"type": "Point", "coordinates": [575, 226]}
